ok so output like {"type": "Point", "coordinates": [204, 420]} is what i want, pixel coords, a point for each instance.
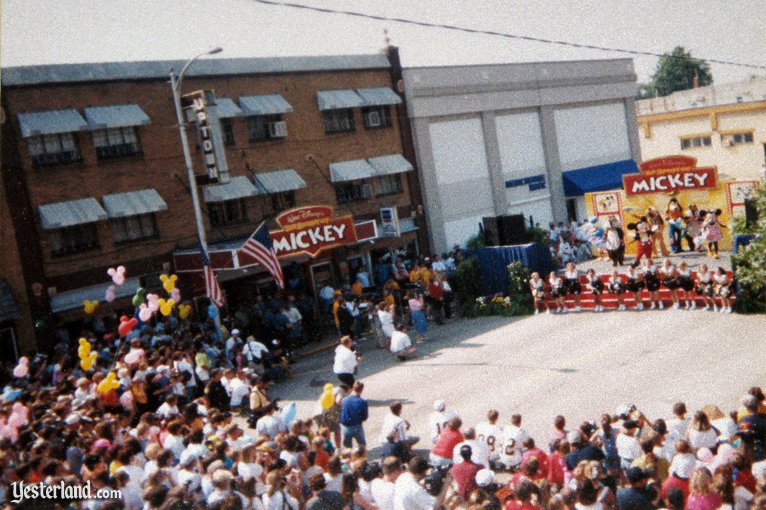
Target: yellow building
{"type": "Point", "coordinates": [723, 126]}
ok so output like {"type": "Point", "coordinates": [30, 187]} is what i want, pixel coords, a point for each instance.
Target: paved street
{"type": "Point", "coordinates": [577, 365]}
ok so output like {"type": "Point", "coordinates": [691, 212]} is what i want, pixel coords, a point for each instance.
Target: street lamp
{"type": "Point", "coordinates": [175, 84]}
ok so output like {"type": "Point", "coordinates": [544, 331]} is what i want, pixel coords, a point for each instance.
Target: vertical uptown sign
{"type": "Point", "coordinates": [201, 108]}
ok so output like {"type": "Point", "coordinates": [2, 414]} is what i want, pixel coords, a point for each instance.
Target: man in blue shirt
{"type": "Point", "coordinates": [353, 414]}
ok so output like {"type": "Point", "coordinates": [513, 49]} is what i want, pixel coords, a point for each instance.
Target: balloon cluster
{"type": "Point", "coordinates": [87, 357]}
{"type": "Point", "coordinates": [18, 418]}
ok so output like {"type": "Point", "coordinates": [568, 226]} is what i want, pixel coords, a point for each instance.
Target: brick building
{"type": "Point", "coordinates": [94, 177]}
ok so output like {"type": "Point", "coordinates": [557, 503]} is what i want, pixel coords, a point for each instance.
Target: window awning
{"type": "Point", "coordinates": [134, 203]}
{"type": "Point", "coordinates": [227, 108]}
{"type": "Point", "coordinates": [390, 164]}
{"type": "Point", "coordinates": [51, 122]}
{"type": "Point", "coordinates": [351, 170]}
{"type": "Point", "coordinates": [115, 116]}
{"type": "Point", "coordinates": [597, 178]}
{"type": "Point", "coordinates": [73, 212]}
{"type": "Point", "coordinates": [267, 104]}
{"type": "Point", "coordinates": [72, 299]}
{"type": "Point", "coordinates": [379, 96]}
{"type": "Point", "coordinates": [337, 99]}
{"type": "Point", "coordinates": [9, 311]}
{"type": "Point", "coordinates": [239, 187]}
{"type": "Point", "coordinates": [280, 181]}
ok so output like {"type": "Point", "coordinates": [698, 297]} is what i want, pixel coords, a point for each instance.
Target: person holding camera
{"type": "Point", "coordinates": [410, 494]}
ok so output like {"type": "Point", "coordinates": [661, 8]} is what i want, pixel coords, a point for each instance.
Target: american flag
{"type": "Point", "coordinates": [212, 288]}
{"type": "Point", "coordinates": [261, 248]}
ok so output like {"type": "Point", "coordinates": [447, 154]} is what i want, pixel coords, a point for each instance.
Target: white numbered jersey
{"type": "Point", "coordinates": [437, 422]}
{"type": "Point", "coordinates": [492, 436]}
{"type": "Point", "coordinates": [513, 440]}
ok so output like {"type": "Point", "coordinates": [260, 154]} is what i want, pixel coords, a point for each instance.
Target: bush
{"type": "Point", "coordinates": [518, 288]}
{"type": "Point", "coordinates": [539, 235]}
{"type": "Point", "coordinates": [476, 242]}
{"type": "Point", "coordinates": [750, 265]}
{"type": "Point", "coordinates": [468, 281]}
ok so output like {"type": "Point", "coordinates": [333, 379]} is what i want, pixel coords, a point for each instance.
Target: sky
{"type": "Point", "coordinates": [72, 31]}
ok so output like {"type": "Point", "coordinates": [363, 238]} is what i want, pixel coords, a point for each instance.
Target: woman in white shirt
{"type": "Point", "coordinates": [386, 315]}
{"type": "Point", "coordinates": [701, 434]}
{"type": "Point", "coordinates": [277, 496]}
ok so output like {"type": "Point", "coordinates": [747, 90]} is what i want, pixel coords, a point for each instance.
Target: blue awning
{"type": "Point", "coordinates": [72, 212]}
{"type": "Point", "coordinates": [266, 104]}
{"type": "Point", "coordinates": [597, 178]}
{"type": "Point", "coordinates": [134, 203]}
{"type": "Point", "coordinates": [115, 116]}
{"type": "Point", "coordinates": [72, 299]}
{"type": "Point", "coordinates": [227, 108]}
{"type": "Point", "coordinates": [51, 122]}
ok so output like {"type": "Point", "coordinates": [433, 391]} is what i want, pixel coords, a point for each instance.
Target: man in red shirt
{"type": "Point", "coordinates": [464, 473]}
{"type": "Point", "coordinates": [436, 297]}
{"type": "Point", "coordinates": [441, 453]}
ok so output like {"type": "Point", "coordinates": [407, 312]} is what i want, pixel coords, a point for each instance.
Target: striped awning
{"type": "Point", "coordinates": [72, 299]}
{"type": "Point", "coordinates": [337, 99]}
{"type": "Point", "coordinates": [390, 164]}
{"type": "Point", "coordinates": [239, 187]}
{"type": "Point", "coordinates": [280, 181]}
{"type": "Point", "coordinates": [51, 122]}
{"type": "Point", "coordinates": [134, 203]}
{"type": "Point", "coordinates": [73, 212]}
{"type": "Point", "coordinates": [227, 108]}
{"type": "Point", "coordinates": [344, 171]}
{"type": "Point", "coordinates": [115, 116]}
{"type": "Point", "coordinates": [267, 104]}
{"type": "Point", "coordinates": [379, 96]}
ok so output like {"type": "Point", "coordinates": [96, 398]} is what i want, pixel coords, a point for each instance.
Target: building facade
{"type": "Point", "coordinates": [525, 139]}
{"type": "Point", "coordinates": [94, 177]}
{"type": "Point", "coordinates": [721, 125]}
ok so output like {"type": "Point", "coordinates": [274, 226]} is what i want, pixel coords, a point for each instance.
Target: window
{"type": "Point", "coordinates": [228, 132]}
{"type": "Point", "coordinates": [265, 127]}
{"type": "Point", "coordinates": [695, 141]}
{"type": "Point", "coordinates": [740, 138]}
{"type": "Point", "coordinates": [388, 185]}
{"type": "Point", "coordinates": [133, 228]}
{"type": "Point", "coordinates": [74, 239]}
{"type": "Point", "coordinates": [116, 142]}
{"type": "Point", "coordinates": [338, 121]}
{"type": "Point", "coordinates": [282, 201]}
{"type": "Point", "coordinates": [377, 117]}
{"type": "Point", "coordinates": [57, 149]}
{"type": "Point", "coordinates": [230, 212]}
{"type": "Point", "coordinates": [352, 191]}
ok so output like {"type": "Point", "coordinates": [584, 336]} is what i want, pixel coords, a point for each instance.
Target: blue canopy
{"type": "Point", "coordinates": [597, 178]}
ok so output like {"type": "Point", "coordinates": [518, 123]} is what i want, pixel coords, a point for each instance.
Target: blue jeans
{"type": "Point", "coordinates": [353, 432]}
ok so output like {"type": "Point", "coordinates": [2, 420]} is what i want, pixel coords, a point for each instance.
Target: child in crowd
{"type": "Point", "coordinates": [634, 283]}
{"type": "Point", "coordinates": [538, 293]}
{"type": "Point", "coordinates": [705, 287]}
{"type": "Point", "coordinates": [572, 284]}
{"type": "Point", "coordinates": [686, 283]}
{"type": "Point", "coordinates": [668, 275]}
{"type": "Point", "coordinates": [596, 286]}
{"type": "Point", "coordinates": [617, 287]}
{"type": "Point", "coordinates": [723, 289]}
{"type": "Point", "coordinates": [652, 284]}
{"type": "Point", "coordinates": [557, 291]}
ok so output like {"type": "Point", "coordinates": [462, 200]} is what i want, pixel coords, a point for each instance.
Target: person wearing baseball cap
{"type": "Point", "coordinates": [439, 419]}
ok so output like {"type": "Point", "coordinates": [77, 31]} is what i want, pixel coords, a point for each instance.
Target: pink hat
{"type": "Point", "coordinates": [102, 443]}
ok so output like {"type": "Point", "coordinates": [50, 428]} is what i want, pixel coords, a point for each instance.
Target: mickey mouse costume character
{"type": "Point", "coordinates": [643, 233]}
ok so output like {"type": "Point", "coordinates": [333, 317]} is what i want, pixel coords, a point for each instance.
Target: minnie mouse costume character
{"type": "Point", "coordinates": [711, 232]}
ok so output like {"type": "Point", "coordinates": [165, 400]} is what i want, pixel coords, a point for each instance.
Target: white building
{"type": "Point", "coordinates": [519, 139]}
{"type": "Point", "coordinates": [720, 125]}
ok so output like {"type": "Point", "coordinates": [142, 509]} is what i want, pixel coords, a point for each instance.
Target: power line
{"type": "Point", "coordinates": [506, 35]}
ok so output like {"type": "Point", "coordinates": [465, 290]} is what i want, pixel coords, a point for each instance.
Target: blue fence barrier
{"type": "Point", "coordinates": [495, 260]}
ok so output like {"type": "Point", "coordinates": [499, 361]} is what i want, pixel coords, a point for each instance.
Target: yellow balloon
{"type": "Point", "coordinates": [168, 282]}
{"type": "Point", "coordinates": [84, 349]}
{"type": "Point", "coordinates": [327, 400]}
{"type": "Point", "coordinates": [89, 306]}
{"type": "Point", "coordinates": [166, 307]}
{"type": "Point", "coordinates": [184, 311]}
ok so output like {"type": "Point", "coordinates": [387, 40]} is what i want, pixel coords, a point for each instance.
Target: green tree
{"type": "Point", "coordinates": [676, 71]}
{"type": "Point", "coordinates": [750, 264]}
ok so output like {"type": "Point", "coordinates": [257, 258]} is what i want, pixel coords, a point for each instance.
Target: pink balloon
{"type": "Point", "coordinates": [118, 275]}
{"type": "Point", "coordinates": [126, 399]}
{"type": "Point", "coordinates": [20, 371]}
{"type": "Point", "coordinates": [175, 295]}
{"type": "Point", "coordinates": [110, 294]}
{"type": "Point", "coordinates": [145, 313]}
